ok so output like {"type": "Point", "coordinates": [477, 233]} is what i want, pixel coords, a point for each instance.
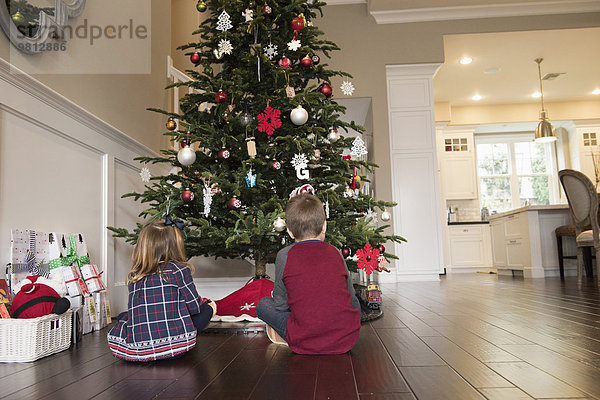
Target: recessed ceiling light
{"type": "Point", "coordinates": [596, 92]}
{"type": "Point", "coordinates": [536, 95]}
{"type": "Point", "coordinates": [493, 70]}
{"type": "Point", "coordinates": [466, 60]}
{"type": "Point", "coordinates": [477, 97]}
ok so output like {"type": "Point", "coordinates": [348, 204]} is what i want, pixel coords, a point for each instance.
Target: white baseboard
{"type": "Point", "coordinates": [218, 288]}
{"type": "Point", "coordinates": [394, 277]}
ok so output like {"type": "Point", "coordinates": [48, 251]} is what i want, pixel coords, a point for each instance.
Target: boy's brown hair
{"type": "Point", "coordinates": [304, 216]}
{"type": "Point", "coordinates": [157, 245]}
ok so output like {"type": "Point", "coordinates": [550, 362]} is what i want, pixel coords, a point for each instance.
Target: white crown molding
{"type": "Point", "coordinates": [412, 70]}
{"type": "Point", "coordinates": [485, 11]}
{"type": "Point", "coordinates": [38, 90]}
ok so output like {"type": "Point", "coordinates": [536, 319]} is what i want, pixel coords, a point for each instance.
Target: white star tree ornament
{"type": "Point", "coordinates": [225, 46]}
{"type": "Point", "coordinates": [299, 160]}
{"type": "Point", "coordinates": [271, 51]}
{"type": "Point", "coordinates": [294, 45]}
{"type": "Point", "coordinates": [371, 217]}
{"type": "Point", "coordinates": [347, 88]}
{"type": "Point", "coordinates": [145, 175]}
{"type": "Point", "coordinates": [248, 14]}
{"type": "Point", "coordinates": [224, 22]}
{"type": "Point", "coordinates": [358, 148]}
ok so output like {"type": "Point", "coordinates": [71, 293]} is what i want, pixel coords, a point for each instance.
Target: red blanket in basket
{"type": "Point", "coordinates": [241, 304]}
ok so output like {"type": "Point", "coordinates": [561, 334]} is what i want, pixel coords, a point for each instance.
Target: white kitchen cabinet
{"type": "Point", "coordinates": [588, 139]}
{"type": "Point", "coordinates": [469, 247]}
{"type": "Point", "coordinates": [458, 172]}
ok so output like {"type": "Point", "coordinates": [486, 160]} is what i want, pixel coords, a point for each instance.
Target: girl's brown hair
{"type": "Point", "coordinates": [157, 245]}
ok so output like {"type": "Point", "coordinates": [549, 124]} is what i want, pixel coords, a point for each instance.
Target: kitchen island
{"type": "Point", "coordinates": [523, 240]}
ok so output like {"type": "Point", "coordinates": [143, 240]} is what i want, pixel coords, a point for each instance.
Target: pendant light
{"type": "Point", "coordinates": [544, 131]}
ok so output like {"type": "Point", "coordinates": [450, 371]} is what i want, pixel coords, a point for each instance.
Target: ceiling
{"type": "Point", "coordinates": [573, 51]}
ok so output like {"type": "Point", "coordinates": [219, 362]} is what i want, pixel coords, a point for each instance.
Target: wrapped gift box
{"type": "Point", "coordinates": [92, 278]}
{"type": "Point", "coordinates": [89, 315]}
{"type": "Point", "coordinates": [72, 279]}
{"type": "Point", "coordinates": [101, 303]}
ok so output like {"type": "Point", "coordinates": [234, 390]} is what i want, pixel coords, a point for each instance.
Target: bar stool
{"type": "Point", "coordinates": [569, 231]}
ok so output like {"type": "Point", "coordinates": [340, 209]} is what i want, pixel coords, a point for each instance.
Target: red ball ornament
{"type": "Point", "coordinates": [267, 10]}
{"type": "Point", "coordinates": [224, 154]}
{"type": "Point", "coordinates": [234, 203]}
{"type": "Point", "coordinates": [381, 248]}
{"type": "Point", "coordinates": [195, 58]}
{"type": "Point", "coordinates": [346, 252]}
{"type": "Point", "coordinates": [316, 59]}
{"type": "Point", "coordinates": [184, 143]}
{"type": "Point", "coordinates": [306, 62]}
{"type": "Point", "coordinates": [275, 165]}
{"type": "Point", "coordinates": [326, 89]}
{"type": "Point", "coordinates": [298, 23]}
{"type": "Point", "coordinates": [285, 63]}
{"type": "Point", "coordinates": [187, 196]}
{"type": "Point", "coordinates": [221, 97]}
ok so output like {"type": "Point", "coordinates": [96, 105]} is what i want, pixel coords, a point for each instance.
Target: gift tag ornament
{"type": "Point", "coordinates": [171, 124]}
{"type": "Point", "coordinates": [195, 58]}
{"type": "Point", "coordinates": [221, 97]}
{"type": "Point", "coordinates": [234, 203]}
{"type": "Point", "coordinates": [290, 92]}
{"type": "Point", "coordinates": [187, 196]}
{"type": "Point", "coordinates": [299, 115]}
{"type": "Point", "coordinates": [186, 156]}
{"type": "Point", "coordinates": [279, 224]}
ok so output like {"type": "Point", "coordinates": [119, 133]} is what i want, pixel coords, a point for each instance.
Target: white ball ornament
{"type": "Point", "coordinates": [186, 156]}
{"type": "Point", "coordinates": [386, 216]}
{"type": "Point", "coordinates": [279, 224]}
{"type": "Point", "coordinates": [299, 115]}
{"type": "Point", "coordinates": [333, 135]}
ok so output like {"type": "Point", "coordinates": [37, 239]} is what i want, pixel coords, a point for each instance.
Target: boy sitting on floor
{"type": "Point", "coordinates": [313, 305]}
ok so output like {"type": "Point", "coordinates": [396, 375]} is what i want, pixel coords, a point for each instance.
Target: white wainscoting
{"type": "Point", "coordinates": [414, 173]}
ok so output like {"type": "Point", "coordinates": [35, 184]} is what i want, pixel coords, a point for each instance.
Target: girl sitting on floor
{"type": "Point", "coordinates": [164, 311]}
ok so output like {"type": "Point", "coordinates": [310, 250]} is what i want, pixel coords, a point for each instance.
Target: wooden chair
{"type": "Point", "coordinates": [583, 202]}
{"type": "Point", "coordinates": [569, 231]}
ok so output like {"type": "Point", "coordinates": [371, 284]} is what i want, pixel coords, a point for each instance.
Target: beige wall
{"type": "Point", "coordinates": [367, 48]}
{"type": "Point", "coordinates": [120, 100]}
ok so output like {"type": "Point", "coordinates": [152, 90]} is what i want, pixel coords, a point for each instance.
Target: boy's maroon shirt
{"type": "Point", "coordinates": [325, 315]}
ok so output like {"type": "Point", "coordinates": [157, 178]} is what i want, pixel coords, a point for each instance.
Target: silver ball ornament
{"type": "Point", "coordinates": [386, 216]}
{"type": "Point", "coordinates": [279, 224]}
{"type": "Point", "coordinates": [246, 119]}
{"type": "Point", "coordinates": [299, 115]}
{"type": "Point", "coordinates": [186, 156]}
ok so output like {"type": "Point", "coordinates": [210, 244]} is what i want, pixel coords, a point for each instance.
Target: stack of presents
{"type": "Point", "coordinates": [62, 261]}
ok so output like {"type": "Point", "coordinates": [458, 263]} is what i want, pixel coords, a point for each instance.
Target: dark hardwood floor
{"type": "Point", "coordinates": [466, 337]}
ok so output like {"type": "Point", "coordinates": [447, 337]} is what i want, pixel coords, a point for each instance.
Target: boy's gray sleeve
{"type": "Point", "coordinates": [280, 295]}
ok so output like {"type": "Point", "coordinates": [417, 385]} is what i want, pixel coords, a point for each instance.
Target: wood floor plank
{"type": "Point", "coordinates": [406, 349]}
{"type": "Point", "coordinates": [335, 378]}
{"type": "Point", "coordinates": [579, 375]}
{"type": "Point", "coordinates": [386, 396]}
{"type": "Point", "coordinates": [448, 384]}
{"type": "Point", "coordinates": [373, 367]}
{"type": "Point", "coordinates": [138, 389]}
{"type": "Point", "coordinates": [534, 381]}
{"type": "Point", "coordinates": [413, 323]}
{"type": "Point", "coordinates": [472, 370]}
{"type": "Point", "coordinates": [505, 394]}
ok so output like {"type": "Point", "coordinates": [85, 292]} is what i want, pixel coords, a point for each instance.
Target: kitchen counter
{"type": "Point", "coordinates": [530, 208]}
{"type": "Point", "coordinates": [468, 223]}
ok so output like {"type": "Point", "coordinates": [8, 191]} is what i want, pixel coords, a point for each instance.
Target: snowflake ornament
{"type": "Point", "coordinates": [299, 160]}
{"type": "Point", "coordinates": [368, 259]}
{"type": "Point", "coordinates": [248, 14]}
{"type": "Point", "coordinates": [224, 22]}
{"type": "Point", "coordinates": [347, 88]}
{"type": "Point", "coordinates": [271, 51]}
{"type": "Point", "coordinates": [250, 179]}
{"type": "Point", "coordinates": [269, 120]}
{"type": "Point", "coordinates": [225, 46]}
{"type": "Point", "coordinates": [358, 148]}
{"type": "Point", "coordinates": [294, 45]}
{"type": "Point", "coordinates": [371, 217]}
{"type": "Point", "coordinates": [145, 175]}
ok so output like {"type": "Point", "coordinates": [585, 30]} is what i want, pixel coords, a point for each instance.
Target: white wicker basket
{"type": "Point", "coordinates": [24, 340]}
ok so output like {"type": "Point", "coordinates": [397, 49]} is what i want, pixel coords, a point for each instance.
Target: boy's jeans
{"type": "Point", "coordinates": [266, 311]}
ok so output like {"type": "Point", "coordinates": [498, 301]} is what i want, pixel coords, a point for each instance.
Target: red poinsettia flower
{"type": "Point", "coordinates": [368, 259]}
{"type": "Point", "coordinates": [269, 120]}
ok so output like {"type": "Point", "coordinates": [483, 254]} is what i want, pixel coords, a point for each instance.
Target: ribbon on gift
{"type": "Point", "coordinates": [71, 256]}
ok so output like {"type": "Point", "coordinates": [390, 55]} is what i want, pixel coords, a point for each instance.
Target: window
{"type": "Point", "coordinates": [514, 171]}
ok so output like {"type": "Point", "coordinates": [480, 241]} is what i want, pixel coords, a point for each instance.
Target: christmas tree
{"type": "Point", "coordinates": [261, 125]}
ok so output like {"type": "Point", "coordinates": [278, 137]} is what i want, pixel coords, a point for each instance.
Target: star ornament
{"type": "Point", "coordinates": [294, 45]}
{"type": "Point", "coordinates": [347, 88]}
{"type": "Point", "coordinates": [145, 175]}
{"type": "Point", "coordinates": [299, 160]}
{"type": "Point", "coordinates": [225, 46]}
{"type": "Point", "coordinates": [368, 259]}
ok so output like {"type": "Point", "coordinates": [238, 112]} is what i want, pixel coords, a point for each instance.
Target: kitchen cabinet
{"type": "Point", "coordinates": [469, 247]}
{"type": "Point", "coordinates": [458, 172]}
{"type": "Point", "coordinates": [523, 240]}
